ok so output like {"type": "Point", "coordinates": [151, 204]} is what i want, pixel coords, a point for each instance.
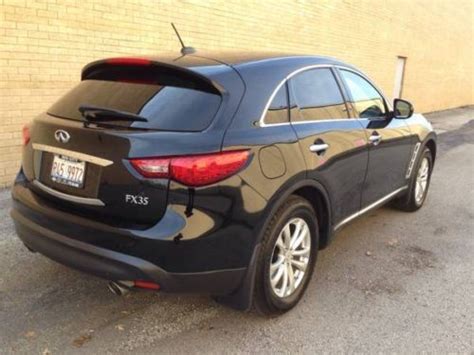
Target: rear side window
{"type": "Point", "coordinates": [317, 95]}
{"type": "Point", "coordinates": [278, 110]}
{"type": "Point", "coordinates": [365, 98]}
{"type": "Point", "coordinates": [166, 107]}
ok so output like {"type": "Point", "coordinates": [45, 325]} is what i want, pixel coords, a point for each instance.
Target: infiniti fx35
{"type": "Point", "coordinates": [221, 174]}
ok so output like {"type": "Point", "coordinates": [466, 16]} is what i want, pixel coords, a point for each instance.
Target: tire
{"type": "Point", "coordinates": [295, 213]}
{"type": "Point", "coordinates": [412, 200]}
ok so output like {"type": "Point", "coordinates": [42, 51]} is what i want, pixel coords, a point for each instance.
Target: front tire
{"type": "Point", "coordinates": [287, 257]}
{"type": "Point", "coordinates": [420, 181]}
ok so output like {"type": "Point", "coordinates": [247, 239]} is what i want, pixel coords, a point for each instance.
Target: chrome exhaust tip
{"type": "Point", "coordinates": [119, 288]}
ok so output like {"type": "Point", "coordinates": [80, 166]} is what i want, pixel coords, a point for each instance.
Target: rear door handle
{"type": "Point", "coordinates": [375, 138]}
{"type": "Point", "coordinates": [318, 148]}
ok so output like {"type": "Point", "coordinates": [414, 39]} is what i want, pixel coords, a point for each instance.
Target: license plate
{"type": "Point", "coordinates": [68, 171]}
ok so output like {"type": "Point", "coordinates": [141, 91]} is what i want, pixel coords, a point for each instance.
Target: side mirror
{"type": "Point", "coordinates": [402, 109]}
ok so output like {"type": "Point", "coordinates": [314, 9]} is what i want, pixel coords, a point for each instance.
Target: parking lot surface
{"type": "Point", "coordinates": [390, 282]}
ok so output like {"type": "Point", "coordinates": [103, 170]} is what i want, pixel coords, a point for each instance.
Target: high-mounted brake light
{"type": "Point", "coordinates": [194, 170]}
{"type": "Point", "coordinates": [26, 134]}
{"type": "Point", "coordinates": [128, 61]}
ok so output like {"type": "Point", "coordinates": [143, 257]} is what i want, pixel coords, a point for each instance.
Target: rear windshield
{"type": "Point", "coordinates": [166, 107]}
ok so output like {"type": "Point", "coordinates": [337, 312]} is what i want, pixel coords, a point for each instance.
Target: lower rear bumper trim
{"type": "Point", "coordinates": [112, 265]}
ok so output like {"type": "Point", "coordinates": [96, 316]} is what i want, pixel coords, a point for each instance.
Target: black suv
{"type": "Point", "coordinates": [220, 174]}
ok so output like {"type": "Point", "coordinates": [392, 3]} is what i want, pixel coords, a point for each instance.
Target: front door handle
{"type": "Point", "coordinates": [375, 138]}
{"type": "Point", "coordinates": [319, 148]}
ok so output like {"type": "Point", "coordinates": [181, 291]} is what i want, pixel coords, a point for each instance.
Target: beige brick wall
{"type": "Point", "coordinates": [44, 44]}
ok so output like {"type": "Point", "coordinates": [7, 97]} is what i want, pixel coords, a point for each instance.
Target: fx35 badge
{"type": "Point", "coordinates": [136, 199]}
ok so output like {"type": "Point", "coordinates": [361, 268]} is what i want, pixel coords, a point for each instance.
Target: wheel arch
{"type": "Point", "coordinates": [317, 196]}
{"type": "Point", "coordinates": [430, 143]}
{"type": "Point", "coordinates": [321, 206]}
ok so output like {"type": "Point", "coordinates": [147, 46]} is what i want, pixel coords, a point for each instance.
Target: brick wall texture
{"type": "Point", "coordinates": [44, 45]}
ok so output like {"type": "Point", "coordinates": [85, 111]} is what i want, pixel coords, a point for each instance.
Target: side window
{"type": "Point", "coordinates": [278, 110]}
{"type": "Point", "coordinates": [317, 96]}
{"type": "Point", "coordinates": [366, 99]}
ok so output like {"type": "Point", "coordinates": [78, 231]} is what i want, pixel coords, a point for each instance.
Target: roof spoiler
{"type": "Point", "coordinates": [147, 71]}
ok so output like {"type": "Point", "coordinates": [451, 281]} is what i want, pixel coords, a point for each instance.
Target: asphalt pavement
{"type": "Point", "coordinates": [390, 282]}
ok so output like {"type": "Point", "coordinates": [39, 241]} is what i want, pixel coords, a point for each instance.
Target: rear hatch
{"type": "Point", "coordinates": [79, 161]}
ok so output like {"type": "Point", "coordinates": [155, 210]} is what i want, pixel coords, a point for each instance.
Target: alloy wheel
{"type": "Point", "coordinates": [422, 180]}
{"type": "Point", "coordinates": [290, 257]}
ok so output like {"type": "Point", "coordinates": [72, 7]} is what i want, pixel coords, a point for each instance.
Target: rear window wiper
{"type": "Point", "coordinates": [95, 113]}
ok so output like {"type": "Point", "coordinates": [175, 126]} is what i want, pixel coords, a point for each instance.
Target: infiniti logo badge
{"type": "Point", "coordinates": [62, 136]}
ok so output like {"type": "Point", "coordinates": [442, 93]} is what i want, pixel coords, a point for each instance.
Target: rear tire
{"type": "Point", "coordinates": [287, 257]}
{"type": "Point", "coordinates": [415, 197]}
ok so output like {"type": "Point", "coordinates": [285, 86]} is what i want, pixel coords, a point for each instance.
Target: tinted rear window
{"type": "Point", "coordinates": [166, 107]}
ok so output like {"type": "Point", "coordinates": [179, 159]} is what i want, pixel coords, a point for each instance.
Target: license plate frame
{"type": "Point", "coordinates": [68, 171]}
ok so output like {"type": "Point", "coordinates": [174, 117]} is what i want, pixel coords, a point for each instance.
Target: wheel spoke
{"type": "Point", "coordinates": [274, 266]}
{"type": "Point", "coordinates": [291, 278]}
{"type": "Point", "coordinates": [297, 231]}
{"type": "Point", "coordinates": [284, 284]}
{"type": "Point", "coordinates": [296, 240]}
{"type": "Point", "coordinates": [419, 192]}
{"type": "Point", "coordinates": [301, 252]}
{"type": "Point", "coordinates": [287, 236]}
{"type": "Point", "coordinates": [280, 243]}
{"type": "Point", "coordinates": [299, 264]}
{"type": "Point", "coordinates": [277, 277]}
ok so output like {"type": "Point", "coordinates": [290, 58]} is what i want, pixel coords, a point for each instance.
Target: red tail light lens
{"type": "Point", "coordinates": [26, 134]}
{"type": "Point", "coordinates": [207, 169]}
{"type": "Point", "coordinates": [197, 170]}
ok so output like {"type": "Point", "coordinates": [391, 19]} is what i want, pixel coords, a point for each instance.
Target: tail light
{"type": "Point", "coordinates": [195, 170]}
{"type": "Point", "coordinates": [26, 134]}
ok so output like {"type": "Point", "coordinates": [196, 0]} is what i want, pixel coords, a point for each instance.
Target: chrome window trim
{"type": "Point", "coordinates": [369, 207]}
{"type": "Point", "coordinates": [261, 122]}
{"type": "Point", "coordinates": [67, 197]}
{"type": "Point", "coordinates": [72, 154]}
{"type": "Point", "coordinates": [325, 120]}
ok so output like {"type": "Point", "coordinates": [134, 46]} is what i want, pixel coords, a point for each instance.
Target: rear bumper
{"type": "Point", "coordinates": [119, 254]}
{"type": "Point", "coordinates": [112, 265]}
